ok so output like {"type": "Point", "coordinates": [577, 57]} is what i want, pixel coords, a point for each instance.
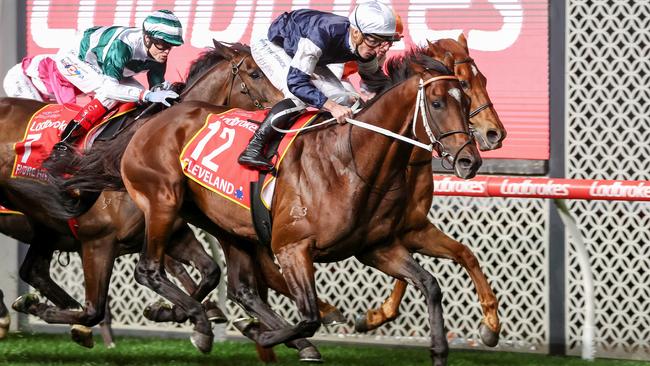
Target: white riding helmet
{"type": "Point", "coordinates": [374, 17]}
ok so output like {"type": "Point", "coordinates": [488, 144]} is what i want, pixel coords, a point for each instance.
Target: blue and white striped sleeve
{"type": "Point", "coordinates": [301, 70]}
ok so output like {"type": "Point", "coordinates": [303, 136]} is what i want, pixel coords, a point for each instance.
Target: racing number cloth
{"type": "Point", "coordinates": [210, 157]}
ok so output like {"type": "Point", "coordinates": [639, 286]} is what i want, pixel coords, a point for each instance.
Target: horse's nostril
{"type": "Point", "coordinates": [493, 136]}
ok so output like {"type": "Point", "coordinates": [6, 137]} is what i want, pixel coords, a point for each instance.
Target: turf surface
{"type": "Point", "coordinates": [40, 349]}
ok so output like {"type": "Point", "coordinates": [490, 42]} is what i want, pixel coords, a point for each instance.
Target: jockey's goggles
{"type": "Point", "coordinates": [374, 41]}
{"type": "Point", "coordinates": [161, 45]}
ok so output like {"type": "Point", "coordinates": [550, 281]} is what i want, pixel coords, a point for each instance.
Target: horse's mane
{"type": "Point", "coordinates": [211, 57]}
{"type": "Point", "coordinates": [399, 69]}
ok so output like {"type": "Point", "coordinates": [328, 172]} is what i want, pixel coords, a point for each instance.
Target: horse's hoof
{"type": "Point", "coordinates": [489, 337]}
{"type": "Point", "coordinates": [361, 324]}
{"type": "Point", "coordinates": [153, 311]}
{"type": "Point", "coordinates": [82, 335]}
{"type": "Point", "coordinates": [310, 354]}
{"type": "Point", "coordinates": [214, 313]}
{"type": "Point", "coordinates": [334, 317]}
{"type": "Point", "coordinates": [24, 302]}
{"type": "Point", "coordinates": [5, 321]}
{"type": "Point", "coordinates": [202, 342]}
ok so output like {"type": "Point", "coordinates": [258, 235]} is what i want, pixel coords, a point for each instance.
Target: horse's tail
{"type": "Point", "coordinates": [99, 169]}
{"type": "Point", "coordinates": [265, 355]}
{"type": "Point", "coordinates": [50, 198]}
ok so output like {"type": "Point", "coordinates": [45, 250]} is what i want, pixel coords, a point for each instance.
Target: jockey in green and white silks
{"type": "Point", "coordinates": [105, 60]}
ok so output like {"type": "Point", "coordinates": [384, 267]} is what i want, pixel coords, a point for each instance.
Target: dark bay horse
{"type": "Point", "coordinates": [114, 226]}
{"type": "Point", "coordinates": [343, 177]}
{"type": "Point", "coordinates": [417, 230]}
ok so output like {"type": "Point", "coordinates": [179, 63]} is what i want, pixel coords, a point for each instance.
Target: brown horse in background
{"type": "Point", "coordinates": [417, 230]}
{"type": "Point", "coordinates": [366, 172]}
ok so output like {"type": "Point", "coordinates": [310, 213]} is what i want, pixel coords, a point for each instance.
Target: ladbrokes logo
{"type": "Point", "coordinates": [617, 189]}
{"type": "Point", "coordinates": [529, 188]}
{"type": "Point", "coordinates": [449, 185]}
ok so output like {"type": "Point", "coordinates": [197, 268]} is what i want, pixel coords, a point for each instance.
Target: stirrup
{"type": "Point", "coordinates": [61, 146]}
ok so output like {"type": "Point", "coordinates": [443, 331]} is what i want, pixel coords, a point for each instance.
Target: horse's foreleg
{"type": "Point", "coordinates": [246, 290]}
{"type": "Point", "coordinates": [97, 258]}
{"type": "Point", "coordinates": [150, 270]}
{"type": "Point", "coordinates": [35, 270]}
{"type": "Point", "coordinates": [271, 275]}
{"type": "Point", "coordinates": [432, 242]}
{"type": "Point", "coordinates": [388, 311]}
{"type": "Point", "coordinates": [396, 261]}
{"type": "Point", "coordinates": [185, 248]}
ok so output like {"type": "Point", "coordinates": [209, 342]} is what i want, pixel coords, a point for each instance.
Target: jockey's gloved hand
{"type": "Point", "coordinates": [160, 96]}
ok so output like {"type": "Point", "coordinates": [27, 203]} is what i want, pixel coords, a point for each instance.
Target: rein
{"type": "Point", "coordinates": [234, 71]}
{"type": "Point", "coordinates": [421, 106]}
{"type": "Point", "coordinates": [482, 107]}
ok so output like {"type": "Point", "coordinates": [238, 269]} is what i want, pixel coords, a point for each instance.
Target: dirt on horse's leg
{"type": "Point", "coordinates": [433, 242]}
{"type": "Point", "coordinates": [396, 261]}
{"type": "Point", "coordinates": [329, 314]}
{"type": "Point", "coordinates": [388, 311]}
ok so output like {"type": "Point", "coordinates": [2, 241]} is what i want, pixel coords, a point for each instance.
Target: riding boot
{"type": "Point", "coordinates": [87, 117]}
{"type": "Point", "coordinates": [253, 157]}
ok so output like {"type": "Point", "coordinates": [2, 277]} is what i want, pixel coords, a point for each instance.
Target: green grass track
{"type": "Point", "coordinates": [39, 349]}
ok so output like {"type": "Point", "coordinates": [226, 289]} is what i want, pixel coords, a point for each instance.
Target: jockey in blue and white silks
{"type": "Point", "coordinates": [294, 56]}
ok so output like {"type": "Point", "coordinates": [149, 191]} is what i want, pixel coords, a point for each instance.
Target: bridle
{"type": "Point", "coordinates": [235, 72]}
{"type": "Point", "coordinates": [482, 107]}
{"type": "Point", "coordinates": [422, 106]}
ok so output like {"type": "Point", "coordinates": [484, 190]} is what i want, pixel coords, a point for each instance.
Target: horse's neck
{"type": "Point", "coordinates": [212, 88]}
{"type": "Point", "coordinates": [379, 158]}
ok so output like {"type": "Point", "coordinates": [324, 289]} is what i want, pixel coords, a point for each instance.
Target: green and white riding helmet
{"type": "Point", "coordinates": [164, 25]}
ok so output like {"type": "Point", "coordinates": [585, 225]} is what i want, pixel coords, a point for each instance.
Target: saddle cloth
{"type": "Point", "coordinates": [210, 156]}
{"type": "Point", "coordinates": [44, 130]}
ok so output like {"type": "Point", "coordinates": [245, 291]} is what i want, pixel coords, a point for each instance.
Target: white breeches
{"type": "Point", "coordinates": [274, 62]}
{"type": "Point", "coordinates": [17, 84]}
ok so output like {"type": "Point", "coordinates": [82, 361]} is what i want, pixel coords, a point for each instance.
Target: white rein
{"type": "Point", "coordinates": [420, 102]}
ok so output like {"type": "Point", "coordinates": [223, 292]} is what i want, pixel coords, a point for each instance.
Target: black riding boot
{"type": "Point", "coordinates": [253, 156]}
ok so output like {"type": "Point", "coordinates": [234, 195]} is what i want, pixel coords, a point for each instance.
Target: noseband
{"type": "Point", "coordinates": [482, 107]}
{"type": "Point", "coordinates": [422, 106]}
{"type": "Point", "coordinates": [234, 71]}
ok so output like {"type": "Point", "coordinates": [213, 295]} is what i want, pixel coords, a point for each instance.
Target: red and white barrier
{"type": "Point", "coordinates": [527, 187]}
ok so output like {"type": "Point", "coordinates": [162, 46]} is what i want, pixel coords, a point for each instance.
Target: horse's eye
{"type": "Point", "coordinates": [464, 84]}
{"type": "Point", "coordinates": [436, 104]}
{"type": "Point", "coordinates": [255, 75]}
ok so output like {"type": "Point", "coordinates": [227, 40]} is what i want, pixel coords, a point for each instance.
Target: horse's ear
{"type": "Point", "coordinates": [463, 41]}
{"type": "Point", "coordinates": [448, 60]}
{"type": "Point", "coordinates": [223, 49]}
{"type": "Point", "coordinates": [434, 50]}
{"type": "Point", "coordinates": [217, 44]}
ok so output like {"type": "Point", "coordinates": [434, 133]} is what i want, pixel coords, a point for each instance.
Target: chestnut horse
{"type": "Point", "coordinates": [344, 177]}
{"type": "Point", "coordinates": [417, 230]}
